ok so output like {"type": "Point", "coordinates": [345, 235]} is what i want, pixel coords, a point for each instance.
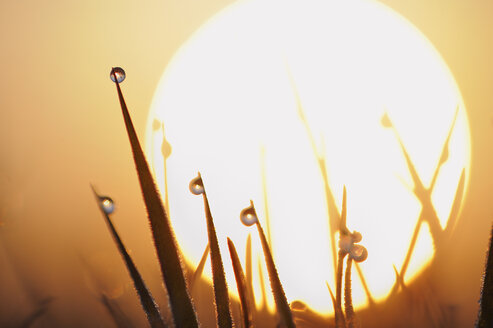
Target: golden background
{"type": "Point", "coordinates": [61, 129]}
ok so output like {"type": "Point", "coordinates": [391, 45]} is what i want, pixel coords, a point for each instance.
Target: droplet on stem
{"type": "Point", "coordinates": [385, 121]}
{"type": "Point", "coordinates": [248, 216]}
{"type": "Point", "coordinates": [117, 73]}
{"type": "Point", "coordinates": [357, 237]}
{"type": "Point", "coordinates": [166, 149]}
{"type": "Point", "coordinates": [358, 253]}
{"type": "Point", "coordinates": [156, 125]}
{"type": "Point", "coordinates": [196, 185]}
{"type": "Point", "coordinates": [107, 204]}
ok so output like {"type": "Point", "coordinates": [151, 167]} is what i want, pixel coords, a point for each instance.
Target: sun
{"type": "Point", "coordinates": [286, 102]}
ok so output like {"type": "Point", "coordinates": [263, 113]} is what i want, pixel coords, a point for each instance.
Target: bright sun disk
{"type": "Point", "coordinates": [229, 109]}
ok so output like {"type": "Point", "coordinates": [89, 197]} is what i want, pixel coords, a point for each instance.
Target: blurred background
{"type": "Point", "coordinates": [61, 129]}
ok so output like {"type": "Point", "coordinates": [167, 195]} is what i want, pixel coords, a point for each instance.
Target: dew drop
{"type": "Point", "coordinates": [166, 149]}
{"type": "Point", "coordinates": [156, 125]}
{"type": "Point", "coordinates": [107, 204]}
{"type": "Point", "coordinates": [119, 73]}
{"type": "Point", "coordinates": [385, 121]}
{"type": "Point", "coordinates": [358, 253]}
{"type": "Point", "coordinates": [356, 237]}
{"type": "Point", "coordinates": [248, 216]}
{"type": "Point", "coordinates": [196, 185]}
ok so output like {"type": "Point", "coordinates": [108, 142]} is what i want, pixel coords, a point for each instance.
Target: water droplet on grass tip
{"type": "Point", "coordinates": [107, 204]}
{"type": "Point", "coordinates": [197, 186]}
{"type": "Point", "coordinates": [248, 216]}
{"type": "Point", "coordinates": [118, 73]}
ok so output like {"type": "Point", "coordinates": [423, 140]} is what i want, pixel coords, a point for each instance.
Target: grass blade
{"type": "Point", "coordinates": [248, 271]}
{"type": "Point", "coordinates": [221, 294]}
{"type": "Point", "coordinates": [266, 199]}
{"type": "Point", "coordinates": [164, 240]}
{"type": "Point", "coordinates": [445, 151]}
{"type": "Point", "coordinates": [263, 293]}
{"type": "Point", "coordinates": [200, 268]}
{"type": "Point", "coordinates": [275, 283]}
{"type": "Point", "coordinates": [332, 212]}
{"type": "Point", "coordinates": [146, 299]}
{"type": "Point", "coordinates": [340, 322]}
{"type": "Point", "coordinates": [398, 278]}
{"type": "Point", "coordinates": [454, 212]}
{"type": "Point", "coordinates": [485, 316]}
{"type": "Point", "coordinates": [371, 301]}
{"type": "Point", "coordinates": [241, 284]}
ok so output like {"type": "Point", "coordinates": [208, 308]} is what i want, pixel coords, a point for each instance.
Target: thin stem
{"type": "Point", "coordinates": [348, 300]}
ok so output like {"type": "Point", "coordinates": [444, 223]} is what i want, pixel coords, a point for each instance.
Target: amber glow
{"type": "Point", "coordinates": [229, 106]}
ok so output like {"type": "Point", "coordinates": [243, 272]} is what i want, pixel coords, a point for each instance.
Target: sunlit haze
{"type": "Point", "coordinates": [230, 102]}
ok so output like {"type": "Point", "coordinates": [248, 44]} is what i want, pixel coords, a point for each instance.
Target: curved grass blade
{"type": "Point", "coordinates": [340, 322]}
{"type": "Point", "coordinates": [248, 272]}
{"type": "Point", "coordinates": [146, 300]}
{"type": "Point", "coordinates": [221, 294]}
{"type": "Point", "coordinates": [263, 293]}
{"type": "Point", "coordinates": [200, 268]}
{"type": "Point", "coordinates": [445, 151]}
{"type": "Point", "coordinates": [266, 199]}
{"type": "Point", "coordinates": [485, 316]}
{"type": "Point", "coordinates": [241, 284]}
{"type": "Point", "coordinates": [164, 240]}
{"type": "Point", "coordinates": [454, 212]}
{"type": "Point", "coordinates": [371, 301]}
{"type": "Point", "coordinates": [332, 212]}
{"type": "Point", "coordinates": [275, 283]}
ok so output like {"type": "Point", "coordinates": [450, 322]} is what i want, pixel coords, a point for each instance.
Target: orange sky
{"type": "Point", "coordinates": [61, 127]}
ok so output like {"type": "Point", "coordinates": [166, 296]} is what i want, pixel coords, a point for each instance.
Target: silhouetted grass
{"type": "Point", "coordinates": [146, 299]}
{"type": "Point", "coordinates": [275, 283]}
{"type": "Point", "coordinates": [263, 293]}
{"type": "Point", "coordinates": [241, 285]}
{"type": "Point", "coordinates": [369, 296]}
{"type": "Point", "coordinates": [221, 294]}
{"type": "Point", "coordinates": [423, 194]}
{"type": "Point", "coordinates": [339, 319]}
{"type": "Point", "coordinates": [164, 240]}
{"type": "Point", "coordinates": [348, 300]}
{"type": "Point", "coordinates": [200, 268]}
{"type": "Point", "coordinates": [174, 278]}
{"type": "Point", "coordinates": [485, 317]}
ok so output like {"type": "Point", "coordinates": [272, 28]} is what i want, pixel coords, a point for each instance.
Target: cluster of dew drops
{"type": "Point", "coordinates": [117, 75]}
{"type": "Point", "coordinates": [248, 215]}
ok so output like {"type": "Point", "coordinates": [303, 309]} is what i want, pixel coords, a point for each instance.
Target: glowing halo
{"type": "Point", "coordinates": [372, 89]}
